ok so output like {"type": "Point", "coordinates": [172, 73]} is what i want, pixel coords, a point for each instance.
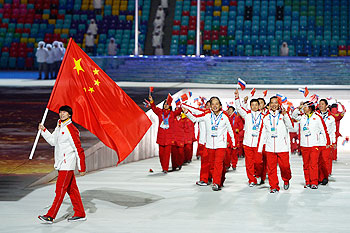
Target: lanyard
{"type": "Point", "coordinates": [166, 120]}
{"type": "Point", "coordinates": [216, 119]}
{"type": "Point", "coordinates": [233, 118]}
{"type": "Point", "coordinates": [254, 121]}
{"type": "Point", "coordinates": [307, 121]}
{"type": "Point", "coordinates": [278, 119]}
{"type": "Point", "coordinates": [324, 116]}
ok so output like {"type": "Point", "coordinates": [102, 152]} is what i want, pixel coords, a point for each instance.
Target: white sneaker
{"type": "Point", "coordinates": [76, 219]}
{"type": "Point", "coordinates": [258, 180]}
{"type": "Point", "coordinates": [252, 184]}
{"type": "Point", "coordinates": [201, 183]}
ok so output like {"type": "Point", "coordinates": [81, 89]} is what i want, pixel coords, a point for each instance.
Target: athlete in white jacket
{"type": "Point", "coordinates": [68, 154]}
{"type": "Point", "coordinates": [253, 121]}
{"type": "Point", "coordinates": [217, 125]}
{"type": "Point", "coordinates": [325, 160]}
{"type": "Point", "coordinates": [274, 134]}
{"type": "Point", "coordinates": [312, 127]}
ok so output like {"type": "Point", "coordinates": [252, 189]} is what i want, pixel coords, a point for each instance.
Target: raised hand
{"type": "Point", "coordinates": [236, 94]}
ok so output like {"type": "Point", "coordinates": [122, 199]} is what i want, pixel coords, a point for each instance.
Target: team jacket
{"type": "Point", "coordinates": [237, 127]}
{"type": "Point", "coordinates": [68, 151]}
{"type": "Point", "coordinates": [189, 131]}
{"type": "Point", "coordinates": [329, 120]}
{"type": "Point", "coordinates": [250, 118]}
{"type": "Point", "coordinates": [274, 132]}
{"type": "Point", "coordinates": [179, 131]}
{"type": "Point", "coordinates": [165, 135]}
{"type": "Point", "coordinates": [215, 139]}
{"type": "Point", "coordinates": [316, 127]}
{"type": "Point", "coordinates": [338, 116]}
{"type": "Point", "coordinates": [201, 125]}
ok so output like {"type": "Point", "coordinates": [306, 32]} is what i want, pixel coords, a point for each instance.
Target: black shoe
{"type": "Point", "coordinates": [201, 183]}
{"type": "Point", "coordinates": [198, 157]}
{"type": "Point", "coordinates": [234, 168]}
{"type": "Point", "coordinates": [45, 219]}
{"type": "Point", "coordinates": [314, 186]}
{"type": "Point", "coordinates": [324, 181]}
{"type": "Point", "coordinates": [286, 186]}
{"type": "Point", "coordinates": [307, 186]}
{"type": "Point", "coordinates": [165, 172]}
{"type": "Point", "coordinates": [262, 182]}
{"type": "Point", "coordinates": [76, 219]}
{"type": "Point", "coordinates": [273, 191]}
{"type": "Point", "coordinates": [179, 168]}
{"type": "Point", "coordinates": [210, 181]}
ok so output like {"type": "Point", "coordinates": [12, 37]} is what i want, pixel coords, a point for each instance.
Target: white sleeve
{"type": "Point", "coordinates": [193, 118]}
{"type": "Point", "coordinates": [239, 108]}
{"type": "Point", "coordinates": [49, 137]}
{"type": "Point", "coordinates": [262, 137]}
{"type": "Point", "coordinates": [230, 131]}
{"type": "Point", "coordinates": [296, 115]}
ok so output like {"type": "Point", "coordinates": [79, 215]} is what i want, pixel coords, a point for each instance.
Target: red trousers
{"type": "Point", "coordinates": [177, 156]}
{"type": "Point", "coordinates": [66, 184]}
{"type": "Point", "coordinates": [164, 156]}
{"type": "Point", "coordinates": [253, 163]}
{"type": "Point", "coordinates": [324, 159]}
{"type": "Point", "coordinates": [205, 166]}
{"type": "Point", "coordinates": [231, 157]}
{"type": "Point", "coordinates": [188, 152]}
{"type": "Point", "coordinates": [294, 145]}
{"type": "Point", "coordinates": [282, 159]}
{"type": "Point", "coordinates": [310, 160]}
{"type": "Point", "coordinates": [216, 158]}
{"type": "Point", "coordinates": [200, 149]}
{"type": "Point", "coordinates": [264, 165]}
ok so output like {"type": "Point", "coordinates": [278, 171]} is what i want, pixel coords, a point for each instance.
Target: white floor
{"type": "Point", "coordinates": [129, 198]}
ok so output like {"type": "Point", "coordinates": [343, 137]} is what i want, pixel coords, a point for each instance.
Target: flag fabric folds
{"type": "Point", "coordinates": [98, 103]}
{"type": "Point", "coordinates": [265, 93]}
{"type": "Point", "coordinates": [253, 91]}
{"type": "Point", "coordinates": [242, 84]}
{"type": "Point", "coordinates": [304, 91]}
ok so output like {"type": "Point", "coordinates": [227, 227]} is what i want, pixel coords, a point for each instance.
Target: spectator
{"type": "Point", "coordinates": [158, 29]}
{"type": "Point", "coordinates": [140, 50]}
{"type": "Point", "coordinates": [89, 42]}
{"type": "Point", "coordinates": [160, 13]}
{"type": "Point", "coordinates": [284, 49]}
{"type": "Point", "coordinates": [41, 55]}
{"type": "Point", "coordinates": [112, 47]}
{"type": "Point", "coordinates": [57, 53]}
{"type": "Point", "coordinates": [50, 59]}
{"type": "Point", "coordinates": [159, 51]}
{"type": "Point", "coordinates": [98, 6]}
{"type": "Point", "coordinates": [63, 49]}
{"type": "Point", "coordinates": [158, 22]}
{"type": "Point", "coordinates": [164, 4]}
{"type": "Point", "coordinates": [157, 39]}
{"type": "Point", "coordinates": [93, 28]}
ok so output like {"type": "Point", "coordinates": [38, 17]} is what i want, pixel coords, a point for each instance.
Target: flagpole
{"type": "Point", "coordinates": [53, 91]}
{"type": "Point", "coordinates": [136, 27]}
{"type": "Point", "coordinates": [38, 134]}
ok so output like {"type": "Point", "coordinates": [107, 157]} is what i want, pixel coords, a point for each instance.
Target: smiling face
{"type": "Point", "coordinates": [230, 111]}
{"type": "Point", "coordinates": [254, 106]}
{"type": "Point", "coordinates": [165, 106]}
{"type": "Point", "coordinates": [322, 106]}
{"type": "Point", "coordinates": [215, 105]}
{"type": "Point", "coordinates": [306, 109]}
{"type": "Point", "coordinates": [261, 104]}
{"type": "Point", "coordinates": [274, 104]}
{"type": "Point", "coordinates": [64, 115]}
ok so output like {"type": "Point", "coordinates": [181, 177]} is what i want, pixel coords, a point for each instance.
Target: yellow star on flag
{"type": "Point", "coordinates": [91, 89]}
{"type": "Point", "coordinates": [97, 83]}
{"type": "Point", "coordinates": [77, 65]}
{"type": "Point", "coordinates": [95, 71]}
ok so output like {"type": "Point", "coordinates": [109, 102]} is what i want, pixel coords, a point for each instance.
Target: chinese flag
{"type": "Point", "coordinates": [306, 93]}
{"type": "Point", "coordinates": [98, 103]}
{"type": "Point", "coordinates": [184, 97]}
{"type": "Point", "coordinates": [265, 93]}
{"type": "Point", "coordinates": [253, 91]}
{"type": "Point", "coordinates": [169, 99]}
{"type": "Point", "coordinates": [151, 89]}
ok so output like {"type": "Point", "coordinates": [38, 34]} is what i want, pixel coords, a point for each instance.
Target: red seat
{"type": "Point", "coordinates": [193, 17]}
{"type": "Point", "coordinates": [214, 32]}
{"type": "Point", "coordinates": [176, 32]}
{"type": "Point", "coordinates": [18, 30]}
{"type": "Point", "coordinates": [214, 37]}
{"type": "Point", "coordinates": [233, 3]}
{"type": "Point", "coordinates": [22, 54]}
{"type": "Point", "coordinates": [342, 47]}
{"type": "Point", "coordinates": [223, 27]}
{"type": "Point", "coordinates": [202, 7]}
{"type": "Point", "coordinates": [348, 47]}
{"type": "Point", "coordinates": [190, 42]}
{"type": "Point", "coordinates": [192, 27]}
{"type": "Point", "coordinates": [29, 50]}
{"type": "Point", "coordinates": [210, 3]}
{"type": "Point", "coordinates": [184, 27]}
{"type": "Point", "coordinates": [215, 52]}
{"type": "Point", "coordinates": [5, 49]}
{"type": "Point", "coordinates": [183, 32]}
{"type": "Point", "coordinates": [29, 62]}
{"type": "Point", "coordinates": [223, 32]}
{"type": "Point", "coordinates": [185, 13]}
{"type": "Point", "coordinates": [177, 22]}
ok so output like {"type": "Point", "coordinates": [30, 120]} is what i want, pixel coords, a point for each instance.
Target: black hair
{"type": "Point", "coordinates": [231, 107]}
{"type": "Point", "coordinates": [170, 107]}
{"type": "Point", "coordinates": [262, 100]}
{"type": "Point", "coordinates": [66, 108]}
{"type": "Point", "coordinates": [254, 100]}
{"type": "Point", "coordinates": [273, 97]}
{"type": "Point", "coordinates": [311, 105]}
{"type": "Point", "coordinates": [214, 97]}
{"type": "Point", "coordinates": [325, 101]}
{"type": "Point", "coordinates": [334, 105]}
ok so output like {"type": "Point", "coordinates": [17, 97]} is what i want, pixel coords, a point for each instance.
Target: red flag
{"type": "Point", "coordinates": [184, 97]}
{"type": "Point", "coordinates": [253, 91]}
{"type": "Point", "coordinates": [169, 100]}
{"type": "Point", "coordinates": [265, 93]}
{"type": "Point", "coordinates": [306, 92]}
{"type": "Point", "coordinates": [98, 103]}
{"type": "Point", "coordinates": [279, 100]}
{"type": "Point", "coordinates": [151, 89]}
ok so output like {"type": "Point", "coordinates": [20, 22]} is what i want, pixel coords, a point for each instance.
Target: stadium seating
{"type": "Point", "coordinates": [23, 23]}
{"type": "Point", "coordinates": [259, 27]}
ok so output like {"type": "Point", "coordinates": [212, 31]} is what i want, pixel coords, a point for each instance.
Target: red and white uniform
{"type": "Point", "coordinates": [217, 127]}
{"type": "Point", "coordinates": [325, 160]}
{"type": "Point", "coordinates": [274, 135]}
{"type": "Point", "coordinates": [253, 159]}
{"type": "Point", "coordinates": [312, 129]}
{"type": "Point", "coordinates": [338, 116]}
{"type": "Point", "coordinates": [165, 136]}
{"type": "Point", "coordinates": [68, 155]}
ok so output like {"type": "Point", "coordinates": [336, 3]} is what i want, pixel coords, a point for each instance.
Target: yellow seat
{"type": "Point", "coordinates": [217, 13]}
{"type": "Point", "coordinates": [52, 21]}
{"type": "Point", "coordinates": [24, 40]}
{"type": "Point", "coordinates": [46, 16]}
{"type": "Point", "coordinates": [207, 47]}
{"type": "Point", "coordinates": [123, 7]}
{"type": "Point", "coordinates": [91, 7]}
{"type": "Point", "coordinates": [342, 52]}
{"type": "Point", "coordinates": [31, 40]}
{"type": "Point", "coordinates": [84, 7]}
{"type": "Point", "coordinates": [115, 12]}
{"type": "Point", "coordinates": [129, 17]}
{"type": "Point", "coordinates": [217, 3]}
{"type": "Point", "coordinates": [225, 8]}
{"type": "Point", "coordinates": [22, 1]}
{"type": "Point", "coordinates": [348, 52]}
{"type": "Point", "coordinates": [57, 31]}
{"type": "Point", "coordinates": [65, 31]}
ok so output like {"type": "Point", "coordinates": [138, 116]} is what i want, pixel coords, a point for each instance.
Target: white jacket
{"type": "Point", "coordinates": [251, 118]}
{"type": "Point", "coordinates": [274, 132]}
{"type": "Point", "coordinates": [329, 120]}
{"type": "Point", "coordinates": [57, 53]}
{"type": "Point", "coordinates": [68, 151]}
{"type": "Point", "coordinates": [314, 126]}
{"type": "Point", "coordinates": [222, 124]}
{"type": "Point", "coordinates": [41, 55]}
{"type": "Point", "coordinates": [202, 134]}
